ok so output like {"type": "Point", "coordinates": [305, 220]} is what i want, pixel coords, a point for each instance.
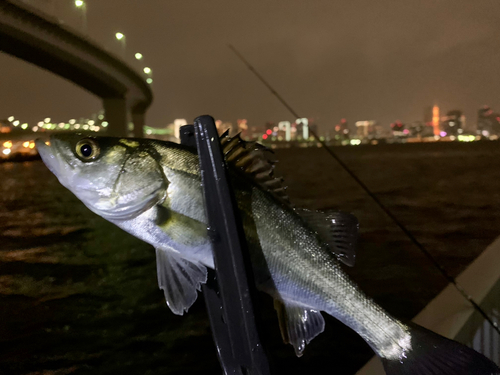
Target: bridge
{"type": "Point", "coordinates": [30, 35]}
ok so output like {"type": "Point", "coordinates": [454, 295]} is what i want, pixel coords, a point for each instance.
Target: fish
{"type": "Point", "coordinates": [152, 189]}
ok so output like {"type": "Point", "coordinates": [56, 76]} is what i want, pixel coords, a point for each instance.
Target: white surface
{"type": "Point", "coordinates": [448, 312]}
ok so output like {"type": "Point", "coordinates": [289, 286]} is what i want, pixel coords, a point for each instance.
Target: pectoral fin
{"type": "Point", "coordinates": [298, 324]}
{"type": "Point", "coordinates": [339, 231]}
{"type": "Point", "coordinates": [179, 279]}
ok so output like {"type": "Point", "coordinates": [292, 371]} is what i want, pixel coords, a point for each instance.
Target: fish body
{"type": "Point", "coordinates": [152, 189]}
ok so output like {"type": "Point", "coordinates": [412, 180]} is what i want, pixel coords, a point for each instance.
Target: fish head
{"type": "Point", "coordinates": [117, 178]}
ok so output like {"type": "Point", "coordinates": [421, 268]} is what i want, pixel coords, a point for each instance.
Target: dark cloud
{"type": "Point", "coordinates": [359, 59]}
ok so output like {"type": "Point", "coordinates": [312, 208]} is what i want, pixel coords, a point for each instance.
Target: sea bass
{"type": "Point", "coordinates": [152, 189]}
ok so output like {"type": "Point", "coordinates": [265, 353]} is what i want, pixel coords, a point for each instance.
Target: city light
{"type": "Point", "coordinates": [435, 119]}
{"type": "Point", "coordinates": [138, 56]}
{"type": "Point", "coordinates": [121, 38]}
{"type": "Point", "coordinates": [149, 80]}
{"type": "Point", "coordinates": [82, 7]}
{"type": "Point", "coordinates": [274, 134]}
{"type": "Point", "coordinates": [147, 70]}
{"type": "Point", "coordinates": [305, 126]}
{"type": "Point", "coordinates": [466, 138]}
{"type": "Point", "coordinates": [286, 126]}
{"type": "Point", "coordinates": [6, 151]}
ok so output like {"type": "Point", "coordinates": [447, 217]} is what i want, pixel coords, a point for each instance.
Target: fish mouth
{"type": "Point", "coordinates": [54, 159]}
{"type": "Point", "coordinates": [49, 156]}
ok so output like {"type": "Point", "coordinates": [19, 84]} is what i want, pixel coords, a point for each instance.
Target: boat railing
{"type": "Point", "coordinates": [452, 316]}
{"type": "Point", "coordinates": [478, 333]}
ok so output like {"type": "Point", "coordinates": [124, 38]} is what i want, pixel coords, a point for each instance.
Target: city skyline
{"type": "Point", "coordinates": [359, 61]}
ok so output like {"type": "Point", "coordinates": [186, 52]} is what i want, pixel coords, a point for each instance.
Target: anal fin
{"type": "Point", "coordinates": [298, 324]}
{"type": "Point", "coordinates": [180, 279]}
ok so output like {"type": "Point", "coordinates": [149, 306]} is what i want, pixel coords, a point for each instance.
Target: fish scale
{"type": "Point", "coordinates": [311, 276]}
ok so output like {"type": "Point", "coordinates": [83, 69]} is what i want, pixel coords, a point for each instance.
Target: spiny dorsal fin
{"type": "Point", "coordinates": [252, 159]}
{"type": "Point", "coordinates": [337, 229]}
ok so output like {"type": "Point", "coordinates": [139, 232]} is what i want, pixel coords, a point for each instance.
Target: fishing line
{"type": "Point", "coordinates": [421, 247]}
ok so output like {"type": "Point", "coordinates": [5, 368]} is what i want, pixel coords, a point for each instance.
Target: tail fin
{"type": "Point", "coordinates": [432, 354]}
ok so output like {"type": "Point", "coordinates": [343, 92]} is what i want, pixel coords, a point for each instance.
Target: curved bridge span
{"type": "Point", "coordinates": [32, 36]}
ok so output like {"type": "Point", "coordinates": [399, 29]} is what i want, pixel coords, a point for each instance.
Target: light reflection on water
{"type": "Point", "coordinates": [79, 295]}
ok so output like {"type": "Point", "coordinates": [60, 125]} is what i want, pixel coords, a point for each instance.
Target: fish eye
{"type": "Point", "coordinates": [87, 149]}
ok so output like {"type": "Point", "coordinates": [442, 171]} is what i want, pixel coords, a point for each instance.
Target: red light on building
{"type": "Point", "coordinates": [435, 119]}
{"type": "Point", "coordinates": [343, 121]}
{"type": "Point", "coordinates": [264, 136]}
{"type": "Point", "coordinates": [269, 132]}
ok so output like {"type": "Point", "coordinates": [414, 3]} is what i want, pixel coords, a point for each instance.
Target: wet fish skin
{"type": "Point", "coordinates": [152, 189]}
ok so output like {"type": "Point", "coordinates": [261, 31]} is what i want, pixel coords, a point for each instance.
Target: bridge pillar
{"type": "Point", "coordinates": [115, 111]}
{"type": "Point", "coordinates": [138, 118]}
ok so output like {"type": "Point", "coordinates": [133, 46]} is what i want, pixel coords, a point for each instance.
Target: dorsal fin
{"type": "Point", "coordinates": [337, 229]}
{"type": "Point", "coordinates": [252, 159]}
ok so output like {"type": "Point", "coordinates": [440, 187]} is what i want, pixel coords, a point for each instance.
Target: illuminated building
{"type": "Point", "coordinates": [242, 128]}
{"type": "Point", "coordinates": [367, 129]}
{"type": "Point", "coordinates": [453, 123]}
{"type": "Point", "coordinates": [288, 131]}
{"type": "Point", "coordinates": [178, 122]}
{"type": "Point", "coordinates": [399, 130]}
{"type": "Point", "coordinates": [341, 130]}
{"type": "Point", "coordinates": [435, 119]}
{"type": "Point", "coordinates": [302, 126]}
{"type": "Point", "coordinates": [286, 127]}
{"type": "Point", "coordinates": [488, 122]}
{"type": "Point", "coordinates": [421, 129]}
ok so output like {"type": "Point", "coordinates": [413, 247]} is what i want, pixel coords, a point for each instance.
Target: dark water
{"type": "Point", "coordinates": [78, 295]}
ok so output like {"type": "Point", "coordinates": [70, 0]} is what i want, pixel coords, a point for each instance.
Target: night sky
{"type": "Point", "coordinates": [358, 59]}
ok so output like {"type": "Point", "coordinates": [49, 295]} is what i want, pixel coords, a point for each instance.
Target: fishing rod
{"type": "Point", "coordinates": [379, 203]}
